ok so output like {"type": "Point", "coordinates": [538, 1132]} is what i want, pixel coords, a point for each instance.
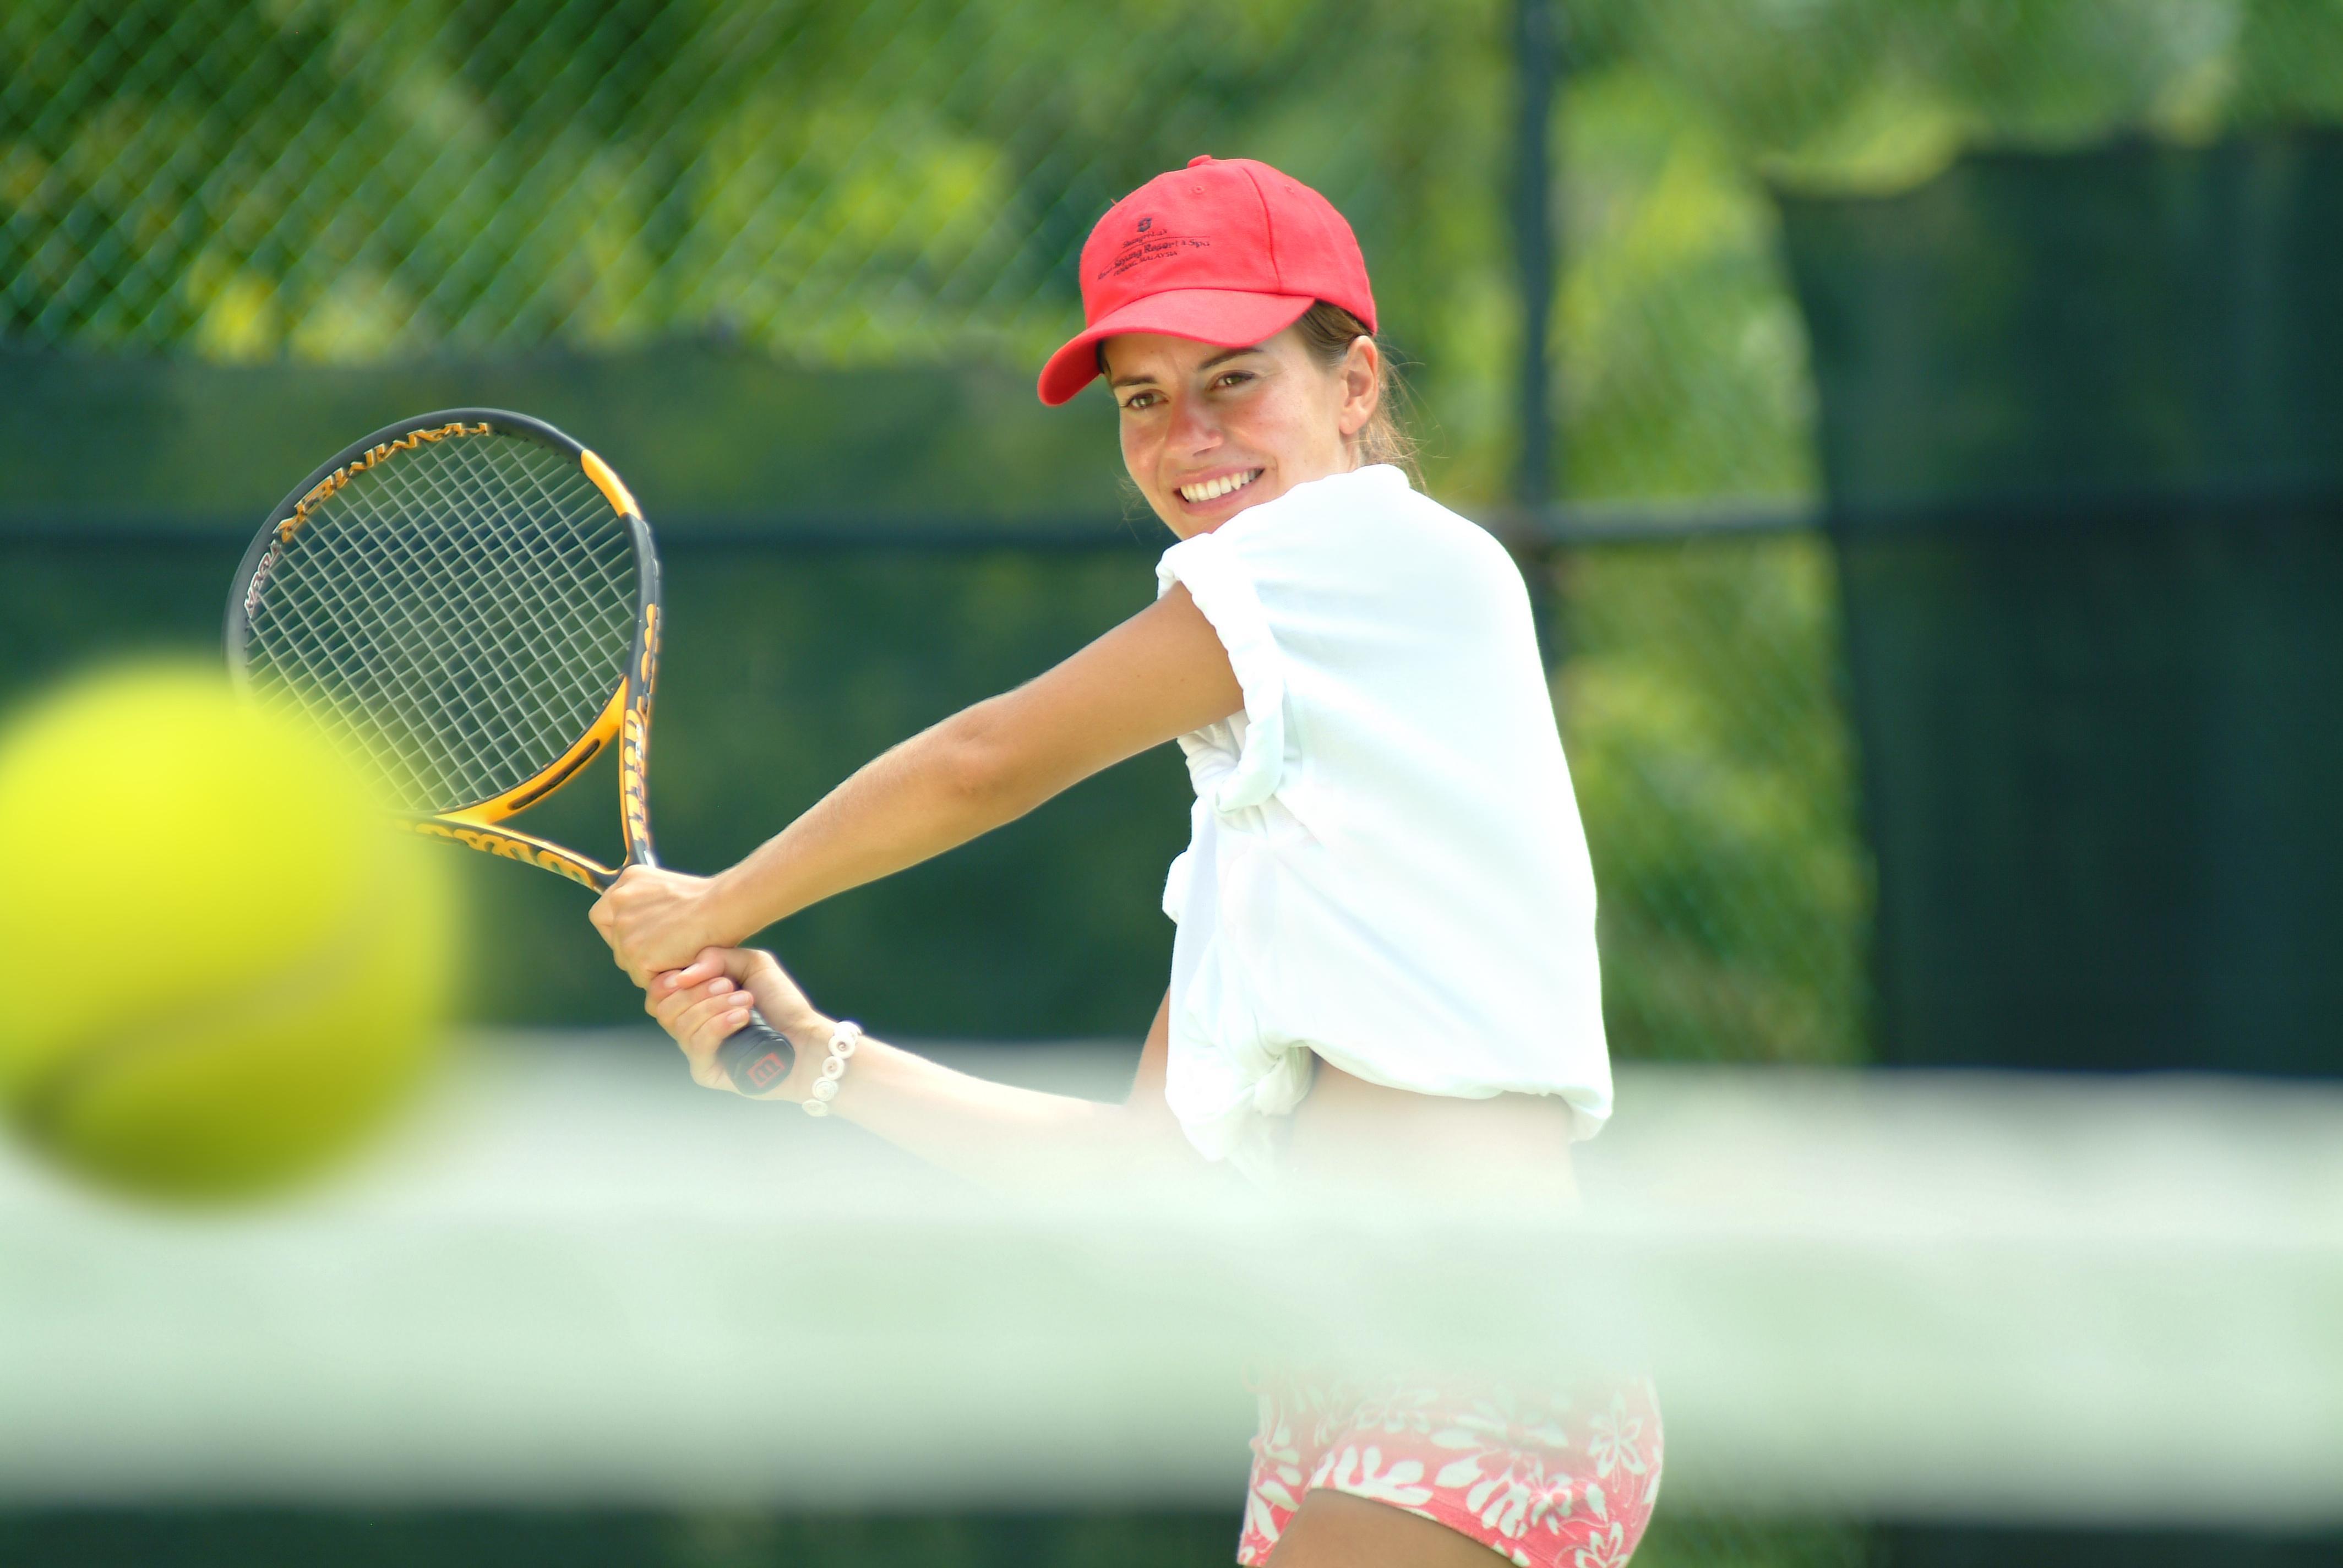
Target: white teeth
{"type": "Point", "coordinates": [1215, 489]}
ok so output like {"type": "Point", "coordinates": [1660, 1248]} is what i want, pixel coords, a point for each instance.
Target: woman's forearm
{"type": "Point", "coordinates": [1007, 1137]}
{"type": "Point", "coordinates": [1159, 675]}
{"type": "Point", "coordinates": [931, 793]}
{"type": "Point", "coordinates": [995, 1134]}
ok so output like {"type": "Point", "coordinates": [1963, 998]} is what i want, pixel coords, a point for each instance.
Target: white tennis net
{"type": "Point", "coordinates": [575, 1279]}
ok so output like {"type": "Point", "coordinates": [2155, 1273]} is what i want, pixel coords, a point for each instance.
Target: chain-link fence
{"type": "Point", "coordinates": [837, 183]}
{"type": "Point", "coordinates": [909, 179]}
{"type": "Point", "coordinates": [899, 182]}
{"type": "Point", "coordinates": [1701, 716]}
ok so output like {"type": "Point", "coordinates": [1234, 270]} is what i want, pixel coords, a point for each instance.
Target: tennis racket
{"type": "Point", "coordinates": [468, 603]}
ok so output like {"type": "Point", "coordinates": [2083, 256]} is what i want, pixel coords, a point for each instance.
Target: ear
{"type": "Point", "coordinates": [1360, 379]}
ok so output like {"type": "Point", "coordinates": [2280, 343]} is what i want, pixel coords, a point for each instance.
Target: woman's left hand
{"type": "Point", "coordinates": [702, 1004]}
{"type": "Point", "coordinates": [655, 920]}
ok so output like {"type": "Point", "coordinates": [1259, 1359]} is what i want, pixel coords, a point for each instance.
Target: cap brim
{"type": "Point", "coordinates": [1229, 318]}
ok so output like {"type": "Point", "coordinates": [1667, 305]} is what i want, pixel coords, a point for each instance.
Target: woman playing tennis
{"type": "Point", "coordinates": [1384, 964]}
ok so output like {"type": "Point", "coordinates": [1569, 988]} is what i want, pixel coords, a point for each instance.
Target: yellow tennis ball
{"type": "Point", "coordinates": [220, 965]}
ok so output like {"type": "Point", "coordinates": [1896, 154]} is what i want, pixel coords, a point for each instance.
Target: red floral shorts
{"type": "Point", "coordinates": [1545, 1479]}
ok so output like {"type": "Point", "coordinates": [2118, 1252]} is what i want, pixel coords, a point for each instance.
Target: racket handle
{"type": "Point", "coordinates": [757, 1057]}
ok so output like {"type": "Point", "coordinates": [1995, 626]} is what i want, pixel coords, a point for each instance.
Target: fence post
{"type": "Point", "coordinates": [1537, 69]}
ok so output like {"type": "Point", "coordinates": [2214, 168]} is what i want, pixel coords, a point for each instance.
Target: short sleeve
{"type": "Point", "coordinates": [1217, 580]}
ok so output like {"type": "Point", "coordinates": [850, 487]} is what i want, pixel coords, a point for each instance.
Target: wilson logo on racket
{"type": "Point", "coordinates": [468, 602]}
{"type": "Point", "coordinates": [368, 459]}
{"type": "Point", "coordinates": [506, 845]}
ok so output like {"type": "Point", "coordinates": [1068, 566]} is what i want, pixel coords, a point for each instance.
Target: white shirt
{"type": "Point", "coordinates": [1386, 866]}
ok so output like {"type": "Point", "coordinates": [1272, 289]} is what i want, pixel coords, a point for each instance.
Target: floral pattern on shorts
{"type": "Point", "coordinates": [1547, 1479]}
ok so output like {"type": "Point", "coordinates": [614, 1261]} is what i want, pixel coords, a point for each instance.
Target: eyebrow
{"type": "Point", "coordinates": [1220, 358]}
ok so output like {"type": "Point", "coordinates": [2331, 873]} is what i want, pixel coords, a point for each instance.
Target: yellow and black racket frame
{"type": "Point", "coordinates": [626, 718]}
{"type": "Point", "coordinates": [757, 1057]}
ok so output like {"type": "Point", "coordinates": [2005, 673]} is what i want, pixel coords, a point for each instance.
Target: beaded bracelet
{"type": "Point", "coordinates": [843, 1035]}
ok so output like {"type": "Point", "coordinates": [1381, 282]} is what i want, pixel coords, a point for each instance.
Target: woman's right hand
{"type": "Point", "coordinates": [653, 917]}
{"type": "Point", "coordinates": [707, 1001]}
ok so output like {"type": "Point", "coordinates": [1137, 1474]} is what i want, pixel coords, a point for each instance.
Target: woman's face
{"type": "Point", "coordinates": [1208, 431]}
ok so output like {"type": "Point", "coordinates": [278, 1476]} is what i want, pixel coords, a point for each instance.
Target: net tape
{"type": "Point", "coordinates": [458, 616]}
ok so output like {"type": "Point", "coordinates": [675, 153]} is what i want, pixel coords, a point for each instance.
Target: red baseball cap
{"type": "Point", "coordinates": [1225, 251]}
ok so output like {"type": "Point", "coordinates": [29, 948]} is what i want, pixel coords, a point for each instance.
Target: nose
{"type": "Point", "coordinates": [1193, 427]}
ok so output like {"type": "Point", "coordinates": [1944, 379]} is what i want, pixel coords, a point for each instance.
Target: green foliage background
{"type": "Point", "coordinates": [414, 196]}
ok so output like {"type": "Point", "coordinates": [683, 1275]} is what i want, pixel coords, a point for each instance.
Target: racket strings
{"type": "Point", "coordinates": [461, 706]}
{"type": "Point", "coordinates": [425, 658]}
{"type": "Point", "coordinates": [488, 671]}
{"type": "Point", "coordinates": [538, 648]}
{"type": "Point", "coordinates": [460, 615]}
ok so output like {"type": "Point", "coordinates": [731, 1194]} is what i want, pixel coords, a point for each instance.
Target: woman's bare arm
{"type": "Point", "coordinates": [1159, 675]}
{"type": "Point", "coordinates": [1020, 1139]}
{"type": "Point", "coordinates": [992, 1133]}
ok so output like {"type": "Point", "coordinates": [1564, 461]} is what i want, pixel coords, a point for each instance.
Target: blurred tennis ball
{"type": "Point", "coordinates": [219, 966]}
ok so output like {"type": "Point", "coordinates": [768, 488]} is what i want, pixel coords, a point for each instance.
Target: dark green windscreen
{"type": "Point", "coordinates": [713, 441]}
{"type": "Point", "coordinates": [2082, 424]}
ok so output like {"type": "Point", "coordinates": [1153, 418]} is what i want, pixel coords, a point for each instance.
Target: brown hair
{"type": "Point", "coordinates": [1327, 332]}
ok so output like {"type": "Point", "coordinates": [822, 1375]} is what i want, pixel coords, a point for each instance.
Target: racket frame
{"type": "Point", "coordinates": [757, 1057]}
{"type": "Point", "coordinates": [626, 718]}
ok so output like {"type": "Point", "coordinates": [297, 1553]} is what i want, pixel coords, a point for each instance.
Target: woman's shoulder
{"type": "Point", "coordinates": [1370, 519]}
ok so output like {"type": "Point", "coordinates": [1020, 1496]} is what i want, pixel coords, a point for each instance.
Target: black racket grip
{"type": "Point", "coordinates": [757, 1057]}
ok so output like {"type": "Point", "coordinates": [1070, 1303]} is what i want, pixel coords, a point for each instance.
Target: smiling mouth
{"type": "Point", "coordinates": [1214, 489]}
